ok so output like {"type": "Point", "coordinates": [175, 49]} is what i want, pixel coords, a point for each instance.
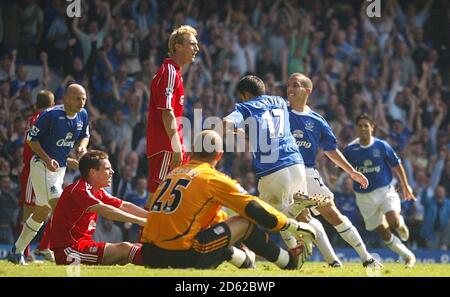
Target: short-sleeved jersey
{"type": "Point", "coordinates": [311, 131]}
{"type": "Point", "coordinates": [374, 161]}
{"type": "Point", "coordinates": [189, 200]}
{"type": "Point", "coordinates": [72, 220]}
{"type": "Point", "coordinates": [167, 92]}
{"type": "Point", "coordinates": [266, 121]}
{"type": "Point", "coordinates": [27, 153]}
{"type": "Point", "coordinates": [57, 133]}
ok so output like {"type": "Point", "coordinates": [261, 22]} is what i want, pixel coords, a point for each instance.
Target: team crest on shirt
{"type": "Point", "coordinates": [92, 225]}
{"type": "Point", "coordinates": [376, 153]}
{"type": "Point", "coordinates": [309, 125]}
{"type": "Point", "coordinates": [182, 100]}
{"type": "Point", "coordinates": [219, 230]}
{"type": "Point", "coordinates": [298, 133]}
{"type": "Point", "coordinates": [79, 125]}
{"type": "Point", "coordinates": [53, 190]}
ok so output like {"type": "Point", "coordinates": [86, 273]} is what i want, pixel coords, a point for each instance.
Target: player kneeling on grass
{"type": "Point", "coordinates": [75, 217]}
{"type": "Point", "coordinates": [178, 233]}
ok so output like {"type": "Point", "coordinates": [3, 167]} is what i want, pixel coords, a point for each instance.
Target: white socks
{"type": "Point", "coordinates": [29, 231]}
{"type": "Point", "coordinates": [238, 257]}
{"type": "Point", "coordinates": [349, 233]}
{"type": "Point", "coordinates": [396, 245]}
{"type": "Point", "coordinates": [322, 241]}
{"type": "Point", "coordinates": [283, 259]}
{"type": "Point", "coordinates": [289, 239]}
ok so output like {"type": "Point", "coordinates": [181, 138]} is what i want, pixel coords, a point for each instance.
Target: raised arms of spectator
{"type": "Point", "coordinates": [437, 169]}
{"type": "Point", "coordinates": [45, 72]}
{"type": "Point", "coordinates": [75, 28]}
{"type": "Point", "coordinates": [116, 214]}
{"type": "Point", "coordinates": [379, 114]}
{"type": "Point", "coordinates": [116, 9]}
{"type": "Point", "coordinates": [12, 67]}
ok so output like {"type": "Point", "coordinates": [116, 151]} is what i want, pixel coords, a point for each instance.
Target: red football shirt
{"type": "Point", "coordinates": [167, 92]}
{"type": "Point", "coordinates": [27, 153]}
{"type": "Point", "coordinates": [71, 220]}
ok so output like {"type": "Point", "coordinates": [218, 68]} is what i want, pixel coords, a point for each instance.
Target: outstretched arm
{"type": "Point", "coordinates": [338, 158]}
{"type": "Point", "coordinates": [116, 214]}
{"type": "Point", "coordinates": [133, 209]}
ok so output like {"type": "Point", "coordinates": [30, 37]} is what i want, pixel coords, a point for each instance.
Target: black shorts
{"type": "Point", "coordinates": [209, 250]}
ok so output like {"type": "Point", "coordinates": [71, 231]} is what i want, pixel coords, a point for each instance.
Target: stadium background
{"type": "Point", "coordinates": [396, 67]}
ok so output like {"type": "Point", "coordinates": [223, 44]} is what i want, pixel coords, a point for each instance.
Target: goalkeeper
{"type": "Point", "coordinates": [178, 232]}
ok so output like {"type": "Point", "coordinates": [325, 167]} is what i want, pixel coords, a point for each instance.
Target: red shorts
{"type": "Point", "coordinates": [86, 252]}
{"type": "Point", "coordinates": [27, 196]}
{"type": "Point", "coordinates": [158, 167]}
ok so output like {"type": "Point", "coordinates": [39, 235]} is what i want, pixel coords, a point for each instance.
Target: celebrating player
{"type": "Point", "coordinates": [379, 203]}
{"type": "Point", "coordinates": [312, 131]}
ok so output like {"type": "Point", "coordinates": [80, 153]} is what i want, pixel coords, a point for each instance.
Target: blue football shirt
{"type": "Point", "coordinates": [266, 121]}
{"type": "Point", "coordinates": [311, 131]}
{"type": "Point", "coordinates": [374, 161]}
{"type": "Point", "coordinates": [57, 133]}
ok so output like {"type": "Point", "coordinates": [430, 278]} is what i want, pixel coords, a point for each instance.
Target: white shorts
{"type": "Point", "coordinates": [316, 185]}
{"type": "Point", "coordinates": [47, 185]}
{"type": "Point", "coordinates": [375, 204]}
{"type": "Point", "coordinates": [278, 188]}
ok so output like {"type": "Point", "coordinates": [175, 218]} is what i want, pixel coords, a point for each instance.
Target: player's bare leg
{"type": "Point", "coordinates": [397, 223]}
{"type": "Point", "coordinates": [345, 229]}
{"type": "Point", "coordinates": [395, 244]}
{"type": "Point", "coordinates": [122, 253]}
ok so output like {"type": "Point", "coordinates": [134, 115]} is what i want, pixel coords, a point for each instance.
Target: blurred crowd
{"type": "Point", "coordinates": [396, 67]}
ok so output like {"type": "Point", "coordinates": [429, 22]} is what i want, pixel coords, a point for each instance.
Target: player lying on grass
{"type": "Point", "coordinates": [75, 218]}
{"type": "Point", "coordinates": [178, 232]}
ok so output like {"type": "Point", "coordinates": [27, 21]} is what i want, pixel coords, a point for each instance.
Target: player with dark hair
{"type": "Point", "coordinates": [379, 203]}
{"type": "Point", "coordinates": [76, 214]}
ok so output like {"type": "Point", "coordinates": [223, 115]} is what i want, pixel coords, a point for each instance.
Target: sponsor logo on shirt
{"type": "Point", "coordinates": [67, 141]}
{"type": "Point", "coordinates": [368, 167]}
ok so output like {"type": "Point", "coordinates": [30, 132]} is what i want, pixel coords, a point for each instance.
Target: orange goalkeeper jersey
{"type": "Point", "coordinates": [189, 200]}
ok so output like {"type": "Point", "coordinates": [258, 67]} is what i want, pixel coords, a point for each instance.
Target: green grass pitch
{"type": "Point", "coordinates": [264, 269]}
